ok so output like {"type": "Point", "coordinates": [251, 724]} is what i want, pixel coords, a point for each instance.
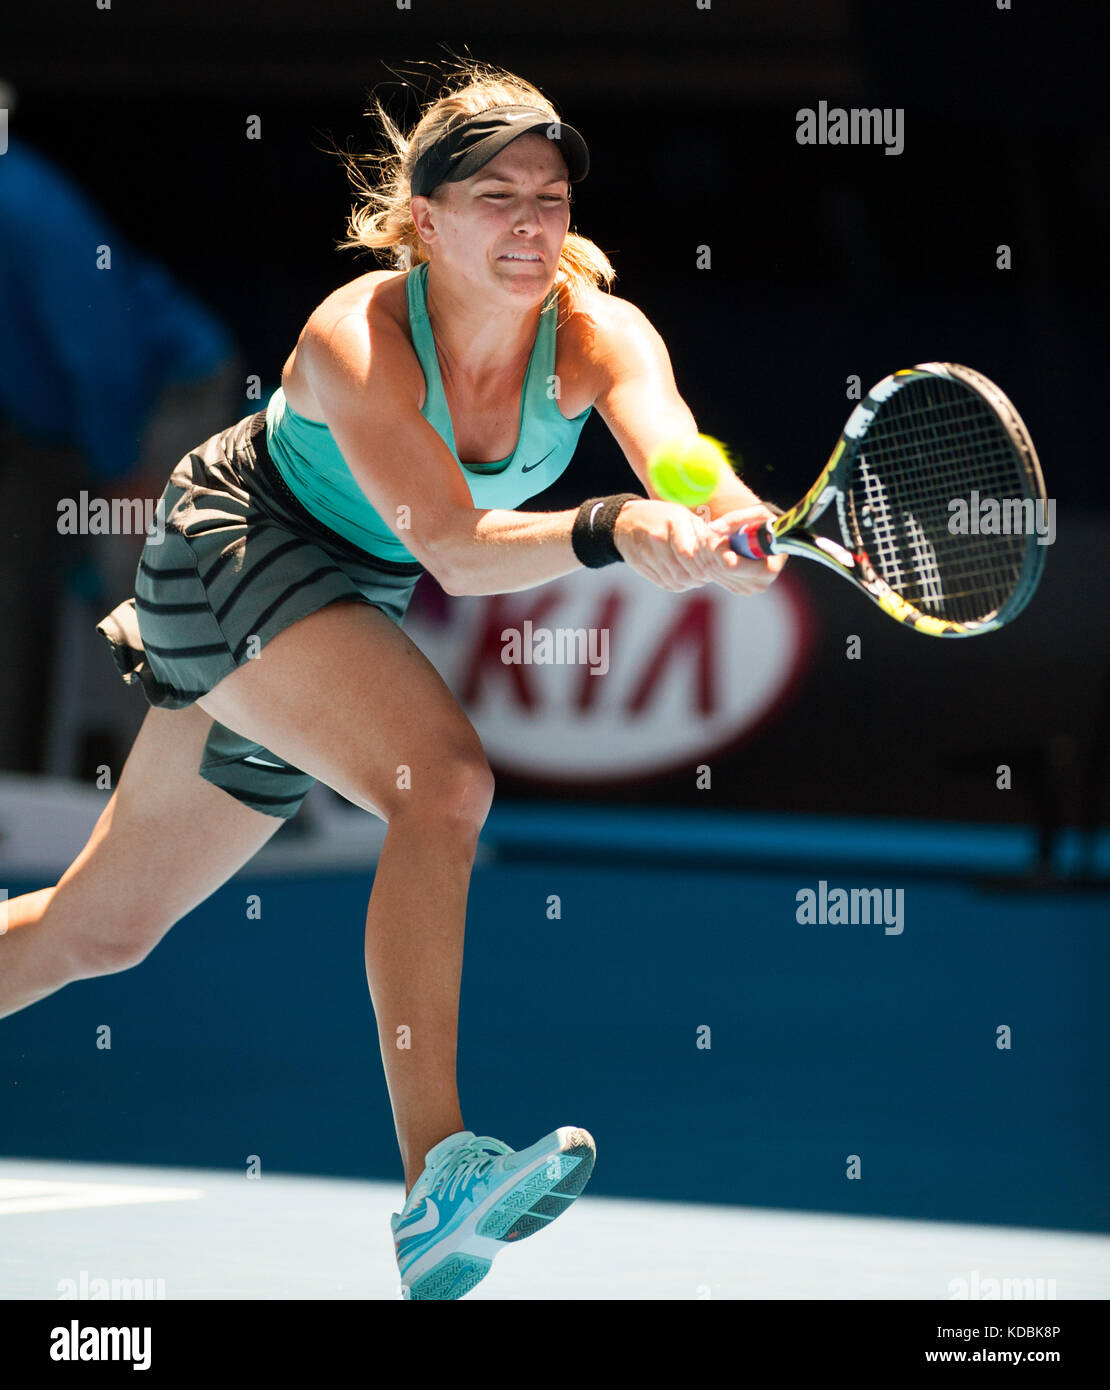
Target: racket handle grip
{"type": "Point", "coordinates": [753, 541]}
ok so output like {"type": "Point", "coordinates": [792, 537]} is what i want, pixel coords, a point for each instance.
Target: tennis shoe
{"type": "Point", "coordinates": [475, 1196]}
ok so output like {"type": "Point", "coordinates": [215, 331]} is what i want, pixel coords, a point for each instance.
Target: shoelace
{"type": "Point", "coordinates": [469, 1161]}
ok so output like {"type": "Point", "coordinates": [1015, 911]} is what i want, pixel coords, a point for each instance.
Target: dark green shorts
{"type": "Point", "coordinates": [240, 560]}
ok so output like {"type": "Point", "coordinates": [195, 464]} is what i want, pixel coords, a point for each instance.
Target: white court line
{"type": "Point", "coordinates": [290, 1236]}
{"type": "Point", "coordinates": [18, 1196]}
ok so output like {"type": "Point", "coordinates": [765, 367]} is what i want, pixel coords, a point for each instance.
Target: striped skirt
{"type": "Point", "coordinates": [240, 559]}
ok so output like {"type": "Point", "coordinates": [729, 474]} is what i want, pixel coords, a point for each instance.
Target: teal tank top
{"type": "Point", "coordinates": [307, 457]}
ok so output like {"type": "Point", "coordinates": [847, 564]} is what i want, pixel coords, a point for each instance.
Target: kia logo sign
{"type": "Point", "coordinates": [601, 676]}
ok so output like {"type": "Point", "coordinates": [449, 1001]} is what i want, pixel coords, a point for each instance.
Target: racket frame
{"type": "Point", "coordinates": [789, 534]}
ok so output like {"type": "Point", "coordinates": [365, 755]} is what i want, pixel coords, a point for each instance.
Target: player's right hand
{"type": "Point", "coordinates": [677, 550]}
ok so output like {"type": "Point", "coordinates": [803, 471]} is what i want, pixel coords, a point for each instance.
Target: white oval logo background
{"type": "Point", "coordinates": [677, 675]}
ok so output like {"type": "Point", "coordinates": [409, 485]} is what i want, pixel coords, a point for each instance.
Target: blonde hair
{"type": "Point", "coordinates": [382, 221]}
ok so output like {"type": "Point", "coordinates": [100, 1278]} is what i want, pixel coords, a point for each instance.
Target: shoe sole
{"type": "Point", "coordinates": [534, 1202]}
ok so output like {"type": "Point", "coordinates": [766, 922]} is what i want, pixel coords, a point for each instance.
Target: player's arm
{"type": "Point", "coordinates": [640, 403]}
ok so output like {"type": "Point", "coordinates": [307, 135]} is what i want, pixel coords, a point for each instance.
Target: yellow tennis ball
{"type": "Point", "coordinates": [688, 468]}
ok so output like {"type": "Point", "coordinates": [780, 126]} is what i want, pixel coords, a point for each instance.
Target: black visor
{"type": "Point", "coordinates": [471, 145]}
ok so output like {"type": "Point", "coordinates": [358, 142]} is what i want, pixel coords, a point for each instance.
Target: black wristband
{"type": "Point", "coordinates": [592, 532]}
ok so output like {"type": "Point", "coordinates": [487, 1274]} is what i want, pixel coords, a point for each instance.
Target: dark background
{"type": "Point", "coordinates": [826, 262]}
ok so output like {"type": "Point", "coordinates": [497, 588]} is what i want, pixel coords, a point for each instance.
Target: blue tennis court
{"type": "Point", "coordinates": [643, 974]}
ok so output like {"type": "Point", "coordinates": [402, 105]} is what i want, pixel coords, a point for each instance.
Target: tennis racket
{"type": "Point", "coordinates": [922, 440]}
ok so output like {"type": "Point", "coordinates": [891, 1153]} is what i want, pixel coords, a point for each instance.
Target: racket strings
{"type": "Point", "coordinates": [934, 443]}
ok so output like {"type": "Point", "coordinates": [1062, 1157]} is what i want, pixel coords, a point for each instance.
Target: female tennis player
{"type": "Point", "coordinates": [421, 406]}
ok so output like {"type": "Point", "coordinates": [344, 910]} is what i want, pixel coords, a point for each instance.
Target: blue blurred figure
{"type": "Point", "coordinates": [108, 376]}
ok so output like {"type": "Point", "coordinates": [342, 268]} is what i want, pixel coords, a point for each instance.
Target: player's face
{"type": "Point", "coordinates": [502, 229]}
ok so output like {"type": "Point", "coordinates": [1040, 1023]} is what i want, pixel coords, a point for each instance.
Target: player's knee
{"type": "Point", "coordinates": [457, 793]}
{"type": "Point", "coordinates": [470, 792]}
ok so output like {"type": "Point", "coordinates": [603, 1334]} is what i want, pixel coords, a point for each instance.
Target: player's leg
{"type": "Point", "coordinates": [347, 697]}
{"type": "Point", "coordinates": [164, 842]}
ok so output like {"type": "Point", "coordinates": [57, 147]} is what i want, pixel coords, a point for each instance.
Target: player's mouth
{"type": "Point", "coordinates": [532, 257]}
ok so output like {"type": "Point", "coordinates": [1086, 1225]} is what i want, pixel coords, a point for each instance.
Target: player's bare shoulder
{"type": "Point", "coordinates": [593, 330]}
{"type": "Point", "coordinates": [602, 331]}
{"type": "Point", "coordinates": [362, 322]}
